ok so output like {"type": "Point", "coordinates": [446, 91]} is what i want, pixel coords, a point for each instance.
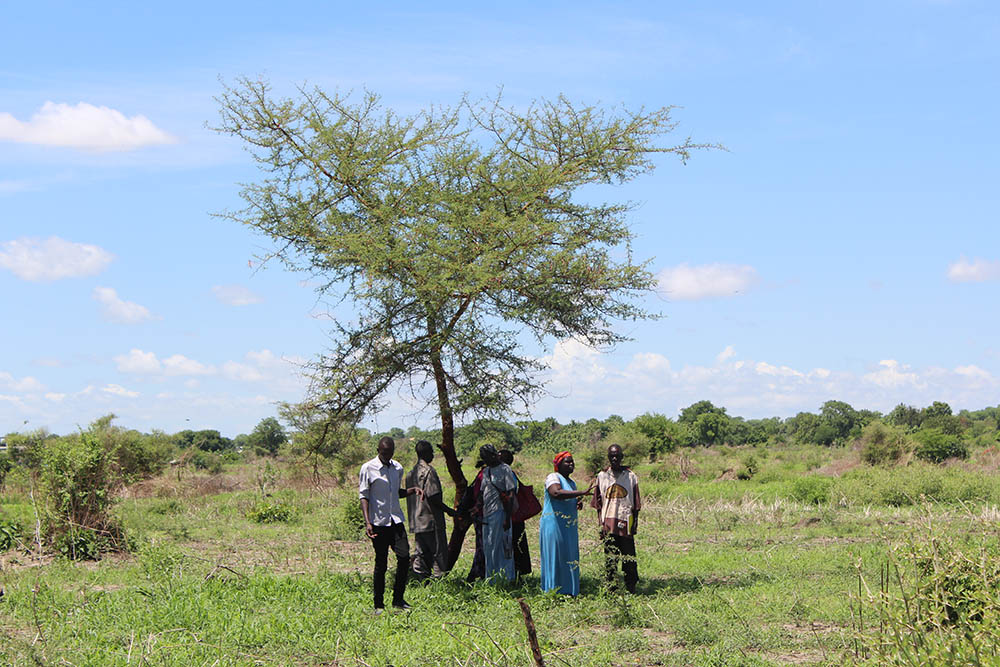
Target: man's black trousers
{"type": "Point", "coordinates": [390, 536]}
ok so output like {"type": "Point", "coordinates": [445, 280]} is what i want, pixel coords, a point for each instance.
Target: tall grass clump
{"type": "Point", "coordinates": [902, 486]}
{"type": "Point", "coordinates": [937, 603]}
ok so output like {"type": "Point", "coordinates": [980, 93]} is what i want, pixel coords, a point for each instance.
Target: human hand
{"type": "Point", "coordinates": [370, 531]}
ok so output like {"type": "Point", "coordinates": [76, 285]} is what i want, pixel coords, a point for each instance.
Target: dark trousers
{"type": "Point", "coordinates": [522, 558]}
{"type": "Point", "coordinates": [621, 548]}
{"type": "Point", "coordinates": [395, 537]}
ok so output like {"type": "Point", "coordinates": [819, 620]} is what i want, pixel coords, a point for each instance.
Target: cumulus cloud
{"type": "Point", "coordinates": [726, 354]}
{"type": "Point", "coordinates": [25, 384]}
{"type": "Point", "coordinates": [235, 295]}
{"type": "Point", "coordinates": [976, 271]}
{"type": "Point", "coordinates": [83, 126]}
{"type": "Point", "coordinates": [582, 382]}
{"type": "Point", "coordinates": [118, 390]}
{"type": "Point", "coordinates": [137, 361]}
{"type": "Point", "coordinates": [51, 259]}
{"type": "Point", "coordinates": [178, 364]}
{"type": "Point", "coordinates": [114, 309]}
{"type": "Point", "coordinates": [241, 372]}
{"type": "Point", "coordinates": [691, 283]}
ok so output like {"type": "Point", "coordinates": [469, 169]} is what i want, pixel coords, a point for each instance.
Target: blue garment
{"type": "Point", "coordinates": [497, 549]}
{"type": "Point", "coordinates": [559, 541]}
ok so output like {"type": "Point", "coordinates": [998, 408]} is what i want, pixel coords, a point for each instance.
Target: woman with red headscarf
{"type": "Point", "coordinates": [558, 536]}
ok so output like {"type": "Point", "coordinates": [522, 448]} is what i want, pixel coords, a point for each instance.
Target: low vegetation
{"type": "Point", "coordinates": [878, 546]}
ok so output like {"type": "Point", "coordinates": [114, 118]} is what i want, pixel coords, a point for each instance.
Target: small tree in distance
{"type": "Point", "coordinates": [268, 436]}
{"type": "Point", "coordinates": [452, 232]}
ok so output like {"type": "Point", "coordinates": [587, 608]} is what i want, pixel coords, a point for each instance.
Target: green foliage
{"type": "Point", "coordinates": [749, 466]}
{"type": "Point", "coordinates": [78, 478]}
{"type": "Point", "coordinates": [321, 442]}
{"type": "Point", "coordinates": [207, 461]}
{"type": "Point", "coordinates": [936, 446]}
{"type": "Point", "coordinates": [938, 603]}
{"type": "Point", "coordinates": [882, 444]}
{"type": "Point", "coordinates": [271, 510]}
{"type": "Point", "coordinates": [208, 440]}
{"type": "Point", "coordinates": [811, 489]}
{"type": "Point", "coordinates": [663, 433]}
{"type": "Point", "coordinates": [501, 435]}
{"type": "Point", "coordinates": [5, 467]}
{"type": "Point", "coordinates": [905, 416]}
{"type": "Point", "coordinates": [709, 428]}
{"type": "Point", "coordinates": [267, 437]}
{"type": "Point", "coordinates": [348, 522]}
{"type": "Point", "coordinates": [10, 534]}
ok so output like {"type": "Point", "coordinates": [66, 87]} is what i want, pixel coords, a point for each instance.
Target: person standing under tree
{"type": "Point", "coordinates": [498, 487]}
{"type": "Point", "coordinates": [616, 498]}
{"type": "Point", "coordinates": [426, 516]}
{"type": "Point", "coordinates": [522, 557]}
{"type": "Point", "coordinates": [379, 488]}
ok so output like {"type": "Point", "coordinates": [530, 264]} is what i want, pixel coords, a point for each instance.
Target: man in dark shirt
{"type": "Point", "coordinates": [426, 515]}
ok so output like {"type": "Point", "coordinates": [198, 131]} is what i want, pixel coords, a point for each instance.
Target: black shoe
{"type": "Point", "coordinates": [402, 605]}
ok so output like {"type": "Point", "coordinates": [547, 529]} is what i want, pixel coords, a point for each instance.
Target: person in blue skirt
{"type": "Point", "coordinates": [558, 536]}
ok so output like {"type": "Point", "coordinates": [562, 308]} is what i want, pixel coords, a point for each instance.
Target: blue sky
{"type": "Point", "coordinates": [845, 247]}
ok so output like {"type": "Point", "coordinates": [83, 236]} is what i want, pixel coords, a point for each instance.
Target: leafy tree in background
{"type": "Point", "coordinates": [840, 419]}
{"type": "Point", "coordinates": [268, 436]}
{"type": "Point", "coordinates": [906, 416]}
{"type": "Point", "coordinates": [663, 433]}
{"type": "Point", "coordinates": [451, 232]}
{"type": "Point", "coordinates": [691, 413]}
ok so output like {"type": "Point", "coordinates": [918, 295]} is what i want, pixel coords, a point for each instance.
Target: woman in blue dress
{"type": "Point", "coordinates": [559, 540]}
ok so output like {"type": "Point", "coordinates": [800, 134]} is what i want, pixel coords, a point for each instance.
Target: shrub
{"type": "Point", "coordinates": [10, 534]}
{"type": "Point", "coordinates": [749, 467]}
{"type": "Point", "coordinates": [208, 461]}
{"type": "Point", "coordinates": [268, 510]}
{"type": "Point", "coordinates": [882, 444]}
{"type": "Point", "coordinates": [935, 445]}
{"type": "Point", "coordinates": [5, 467]}
{"type": "Point", "coordinates": [348, 521]}
{"type": "Point", "coordinates": [78, 483]}
{"type": "Point", "coordinates": [811, 489]}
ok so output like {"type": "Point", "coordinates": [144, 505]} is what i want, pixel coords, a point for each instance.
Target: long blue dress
{"type": "Point", "coordinates": [559, 541]}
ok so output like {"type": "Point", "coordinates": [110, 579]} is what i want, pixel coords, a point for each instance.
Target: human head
{"type": "Point", "coordinates": [615, 457]}
{"type": "Point", "coordinates": [488, 455]}
{"type": "Point", "coordinates": [425, 451]}
{"type": "Point", "coordinates": [386, 448]}
{"type": "Point", "coordinates": [561, 461]}
{"type": "Point", "coordinates": [506, 456]}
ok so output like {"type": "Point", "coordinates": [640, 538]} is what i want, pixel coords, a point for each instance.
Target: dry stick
{"type": "Point", "coordinates": [529, 624]}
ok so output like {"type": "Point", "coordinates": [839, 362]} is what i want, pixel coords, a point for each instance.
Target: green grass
{"type": "Point", "coordinates": [733, 572]}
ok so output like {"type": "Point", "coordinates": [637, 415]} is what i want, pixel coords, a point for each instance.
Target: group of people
{"type": "Point", "coordinates": [491, 504]}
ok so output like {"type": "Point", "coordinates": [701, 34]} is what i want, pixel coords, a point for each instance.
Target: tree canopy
{"type": "Point", "coordinates": [451, 231]}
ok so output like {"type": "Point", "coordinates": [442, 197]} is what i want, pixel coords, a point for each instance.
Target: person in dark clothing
{"type": "Point", "coordinates": [522, 557]}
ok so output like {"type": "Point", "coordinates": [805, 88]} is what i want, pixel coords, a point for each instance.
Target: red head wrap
{"type": "Point", "coordinates": [560, 457]}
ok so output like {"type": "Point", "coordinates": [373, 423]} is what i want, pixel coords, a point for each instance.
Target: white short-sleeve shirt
{"type": "Point", "coordinates": [380, 484]}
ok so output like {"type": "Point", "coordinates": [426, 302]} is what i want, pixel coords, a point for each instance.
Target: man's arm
{"type": "Point", "coordinates": [636, 506]}
{"type": "Point", "coordinates": [437, 502]}
{"type": "Point", "coordinates": [369, 529]}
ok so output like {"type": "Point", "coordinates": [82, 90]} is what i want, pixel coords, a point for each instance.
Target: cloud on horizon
{"type": "Point", "coordinates": [38, 260]}
{"type": "Point", "coordinates": [83, 126]}
{"type": "Point", "coordinates": [706, 281]}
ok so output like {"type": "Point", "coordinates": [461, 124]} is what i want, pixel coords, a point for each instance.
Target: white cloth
{"type": "Point", "coordinates": [379, 484]}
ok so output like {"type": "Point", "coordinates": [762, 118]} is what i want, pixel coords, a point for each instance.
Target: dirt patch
{"type": "Point", "coordinates": [807, 521]}
{"type": "Point", "coordinates": [728, 475]}
{"type": "Point", "coordinates": [839, 467]}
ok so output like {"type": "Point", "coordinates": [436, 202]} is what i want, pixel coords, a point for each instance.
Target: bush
{"type": "Point", "coordinates": [78, 483]}
{"type": "Point", "coordinates": [208, 461]}
{"type": "Point", "coordinates": [5, 467]}
{"type": "Point", "coordinates": [882, 444]}
{"type": "Point", "coordinates": [812, 489]}
{"type": "Point", "coordinates": [936, 446]}
{"type": "Point", "coordinates": [348, 521]}
{"type": "Point", "coordinates": [271, 511]}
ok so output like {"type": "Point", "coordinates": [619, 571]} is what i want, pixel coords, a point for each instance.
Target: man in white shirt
{"type": "Point", "coordinates": [380, 488]}
{"type": "Point", "coordinates": [616, 498]}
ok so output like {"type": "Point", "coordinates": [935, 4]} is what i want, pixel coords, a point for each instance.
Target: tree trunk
{"type": "Point", "coordinates": [447, 447]}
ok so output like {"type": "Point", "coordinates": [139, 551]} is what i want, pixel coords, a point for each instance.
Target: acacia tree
{"type": "Point", "coordinates": [451, 231]}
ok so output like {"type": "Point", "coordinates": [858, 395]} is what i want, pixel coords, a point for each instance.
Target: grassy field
{"type": "Point", "coordinates": [781, 568]}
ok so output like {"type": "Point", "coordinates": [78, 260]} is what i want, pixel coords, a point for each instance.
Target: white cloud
{"type": "Point", "coordinates": [137, 361]}
{"type": "Point", "coordinates": [235, 295]}
{"type": "Point", "coordinates": [41, 261]}
{"type": "Point", "coordinates": [118, 390]}
{"type": "Point", "coordinates": [691, 283]}
{"type": "Point", "coordinates": [55, 397]}
{"type": "Point", "coordinates": [891, 374]}
{"type": "Point", "coordinates": [115, 309]}
{"type": "Point", "coordinates": [976, 271]}
{"type": "Point", "coordinates": [84, 126]}
{"type": "Point", "coordinates": [25, 384]}
{"type": "Point", "coordinates": [727, 353]}
{"type": "Point", "coordinates": [242, 372]}
{"type": "Point", "coordinates": [10, 187]}
{"type": "Point", "coordinates": [178, 364]}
